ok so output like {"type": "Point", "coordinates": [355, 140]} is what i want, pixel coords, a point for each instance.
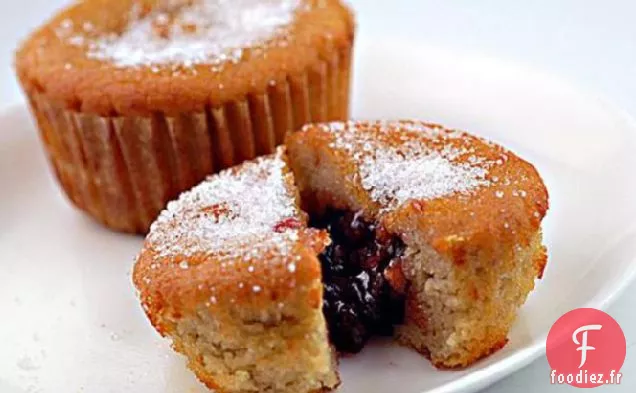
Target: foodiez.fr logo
{"type": "Point", "coordinates": [586, 348]}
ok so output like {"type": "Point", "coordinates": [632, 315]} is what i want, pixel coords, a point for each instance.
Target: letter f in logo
{"type": "Point", "coordinates": [583, 344]}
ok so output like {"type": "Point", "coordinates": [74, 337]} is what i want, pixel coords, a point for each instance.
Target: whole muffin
{"type": "Point", "coordinates": [138, 100]}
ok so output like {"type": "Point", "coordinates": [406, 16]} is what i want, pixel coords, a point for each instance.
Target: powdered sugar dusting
{"type": "Point", "coordinates": [394, 177]}
{"type": "Point", "coordinates": [395, 165]}
{"type": "Point", "coordinates": [234, 214]}
{"type": "Point", "coordinates": [193, 32]}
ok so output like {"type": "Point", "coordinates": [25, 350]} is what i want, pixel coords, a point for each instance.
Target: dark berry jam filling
{"type": "Point", "coordinates": [359, 300]}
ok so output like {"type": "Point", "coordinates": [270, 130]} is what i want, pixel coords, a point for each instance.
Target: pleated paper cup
{"type": "Point", "coordinates": [123, 170]}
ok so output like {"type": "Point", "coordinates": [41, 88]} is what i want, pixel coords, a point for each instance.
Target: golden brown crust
{"type": "Point", "coordinates": [509, 208]}
{"type": "Point", "coordinates": [175, 273]}
{"type": "Point", "coordinates": [168, 291]}
{"type": "Point", "coordinates": [541, 261]}
{"type": "Point", "coordinates": [49, 65]}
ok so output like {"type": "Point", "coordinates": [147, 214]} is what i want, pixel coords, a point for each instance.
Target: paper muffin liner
{"type": "Point", "coordinates": [123, 170]}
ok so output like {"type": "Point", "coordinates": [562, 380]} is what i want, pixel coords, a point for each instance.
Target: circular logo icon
{"type": "Point", "coordinates": [586, 348]}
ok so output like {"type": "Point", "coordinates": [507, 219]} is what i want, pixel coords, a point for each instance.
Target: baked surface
{"type": "Point", "coordinates": [112, 57]}
{"type": "Point", "coordinates": [455, 185]}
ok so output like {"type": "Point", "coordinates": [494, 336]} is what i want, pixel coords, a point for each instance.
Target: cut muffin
{"type": "Point", "coordinates": [428, 234]}
{"type": "Point", "coordinates": [230, 272]}
{"type": "Point", "coordinates": [467, 211]}
{"type": "Point", "coordinates": [138, 100]}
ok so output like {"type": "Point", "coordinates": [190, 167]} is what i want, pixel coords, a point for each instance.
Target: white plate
{"type": "Point", "coordinates": [70, 320]}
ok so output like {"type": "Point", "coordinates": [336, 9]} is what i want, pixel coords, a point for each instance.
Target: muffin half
{"type": "Point", "coordinates": [230, 272]}
{"type": "Point", "coordinates": [138, 100]}
{"type": "Point", "coordinates": [457, 224]}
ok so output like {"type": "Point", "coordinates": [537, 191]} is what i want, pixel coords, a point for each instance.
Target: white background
{"type": "Point", "coordinates": [591, 43]}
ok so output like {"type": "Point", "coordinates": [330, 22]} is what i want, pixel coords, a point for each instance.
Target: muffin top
{"type": "Point", "coordinates": [239, 213]}
{"type": "Point", "coordinates": [438, 186]}
{"type": "Point", "coordinates": [237, 238]}
{"type": "Point", "coordinates": [399, 162]}
{"type": "Point", "coordinates": [130, 56]}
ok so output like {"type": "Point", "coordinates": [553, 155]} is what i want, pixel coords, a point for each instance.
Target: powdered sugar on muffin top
{"type": "Point", "coordinates": [236, 213]}
{"type": "Point", "coordinates": [192, 32]}
{"type": "Point", "coordinates": [395, 166]}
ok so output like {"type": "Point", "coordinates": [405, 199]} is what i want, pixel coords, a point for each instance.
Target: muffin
{"type": "Point", "coordinates": [138, 100]}
{"type": "Point", "coordinates": [351, 230]}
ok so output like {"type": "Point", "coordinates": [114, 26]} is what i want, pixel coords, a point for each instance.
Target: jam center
{"type": "Point", "coordinates": [361, 297]}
